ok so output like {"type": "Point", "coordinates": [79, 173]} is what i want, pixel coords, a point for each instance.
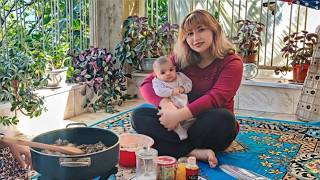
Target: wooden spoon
{"type": "Point", "coordinates": [63, 149]}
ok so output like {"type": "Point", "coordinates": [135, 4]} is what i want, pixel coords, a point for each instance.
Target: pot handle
{"type": "Point", "coordinates": [75, 162]}
{"type": "Point", "coordinates": [76, 124]}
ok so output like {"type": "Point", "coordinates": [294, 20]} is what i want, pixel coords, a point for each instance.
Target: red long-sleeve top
{"type": "Point", "coordinates": [212, 87]}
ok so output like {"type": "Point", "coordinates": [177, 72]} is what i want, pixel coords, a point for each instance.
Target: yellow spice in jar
{"type": "Point", "coordinates": [181, 171]}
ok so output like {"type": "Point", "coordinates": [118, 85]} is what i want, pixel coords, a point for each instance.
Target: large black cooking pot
{"type": "Point", "coordinates": [84, 166]}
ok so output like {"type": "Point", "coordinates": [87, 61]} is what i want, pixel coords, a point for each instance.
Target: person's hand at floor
{"type": "Point", "coordinates": [21, 154]}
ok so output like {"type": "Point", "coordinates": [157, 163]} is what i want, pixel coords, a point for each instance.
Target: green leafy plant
{"type": "Point", "coordinates": [59, 57]}
{"type": "Point", "coordinates": [283, 70]}
{"type": "Point", "coordinates": [20, 76]}
{"type": "Point", "coordinates": [141, 41]}
{"type": "Point", "coordinates": [56, 58]}
{"type": "Point", "coordinates": [38, 23]}
{"type": "Point", "coordinates": [49, 29]}
{"type": "Point", "coordinates": [98, 70]}
{"type": "Point", "coordinates": [58, 62]}
{"type": "Point", "coordinates": [298, 46]}
{"type": "Point", "coordinates": [132, 29]}
{"type": "Point", "coordinates": [162, 9]}
{"type": "Point", "coordinates": [157, 41]}
{"type": "Point", "coordinates": [248, 37]}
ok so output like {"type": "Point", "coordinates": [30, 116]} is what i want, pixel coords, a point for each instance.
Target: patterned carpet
{"type": "Point", "coordinates": [275, 149]}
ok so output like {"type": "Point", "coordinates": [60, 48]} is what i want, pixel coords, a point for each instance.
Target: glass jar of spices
{"type": "Point", "coordinates": [166, 168]}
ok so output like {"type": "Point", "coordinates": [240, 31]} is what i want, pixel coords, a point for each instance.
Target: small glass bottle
{"type": "Point", "coordinates": [181, 168]}
{"type": "Point", "coordinates": [192, 169]}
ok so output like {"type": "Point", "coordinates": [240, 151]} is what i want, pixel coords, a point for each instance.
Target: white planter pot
{"type": "Point", "coordinates": [147, 63]}
{"type": "Point", "coordinates": [57, 77]}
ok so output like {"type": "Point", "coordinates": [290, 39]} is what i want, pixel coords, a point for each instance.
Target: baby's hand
{"type": "Point", "coordinates": [175, 91]}
{"type": "Point", "coordinates": [178, 90]}
{"type": "Point", "coordinates": [181, 89]}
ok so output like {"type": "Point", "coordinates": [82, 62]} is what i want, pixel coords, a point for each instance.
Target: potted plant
{"type": "Point", "coordinates": [141, 43]}
{"type": "Point", "coordinates": [283, 70]}
{"type": "Point", "coordinates": [99, 71]}
{"type": "Point", "coordinates": [154, 43]}
{"type": "Point", "coordinates": [298, 47]}
{"type": "Point", "coordinates": [248, 39]}
{"type": "Point", "coordinates": [20, 76]}
{"type": "Point", "coordinates": [132, 29]}
{"type": "Point", "coordinates": [57, 58]}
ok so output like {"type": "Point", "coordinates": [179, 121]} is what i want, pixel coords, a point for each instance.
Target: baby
{"type": "Point", "coordinates": [174, 85]}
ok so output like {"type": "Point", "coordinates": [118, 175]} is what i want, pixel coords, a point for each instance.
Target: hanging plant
{"type": "Point", "coordinates": [98, 70]}
{"type": "Point", "coordinates": [20, 76]}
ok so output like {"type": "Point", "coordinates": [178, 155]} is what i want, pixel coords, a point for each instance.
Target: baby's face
{"type": "Point", "coordinates": [165, 72]}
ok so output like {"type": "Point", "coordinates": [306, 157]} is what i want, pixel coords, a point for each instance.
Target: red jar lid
{"type": "Point", "coordinates": [166, 160]}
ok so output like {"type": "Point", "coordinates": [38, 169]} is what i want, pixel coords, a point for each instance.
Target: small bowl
{"type": "Point", "coordinates": [128, 146]}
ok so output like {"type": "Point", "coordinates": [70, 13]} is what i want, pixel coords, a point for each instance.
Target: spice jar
{"type": "Point", "coordinates": [166, 168]}
{"type": "Point", "coordinates": [192, 169]}
{"type": "Point", "coordinates": [181, 168]}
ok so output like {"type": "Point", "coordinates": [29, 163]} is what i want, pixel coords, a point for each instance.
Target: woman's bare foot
{"type": "Point", "coordinates": [206, 155]}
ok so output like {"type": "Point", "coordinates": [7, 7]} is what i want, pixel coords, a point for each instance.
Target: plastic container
{"type": "Point", "coordinates": [129, 143]}
{"type": "Point", "coordinates": [146, 165]}
{"type": "Point", "coordinates": [166, 168]}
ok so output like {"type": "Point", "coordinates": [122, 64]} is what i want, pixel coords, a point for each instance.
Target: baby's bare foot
{"type": "Point", "coordinates": [206, 155]}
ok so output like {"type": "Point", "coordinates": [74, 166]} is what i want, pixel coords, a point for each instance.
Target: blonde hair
{"type": "Point", "coordinates": [220, 47]}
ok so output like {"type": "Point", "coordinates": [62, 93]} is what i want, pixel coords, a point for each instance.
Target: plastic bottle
{"type": "Point", "coordinates": [192, 169]}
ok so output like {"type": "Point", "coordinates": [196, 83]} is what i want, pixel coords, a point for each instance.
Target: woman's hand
{"type": "Point", "coordinates": [166, 103]}
{"type": "Point", "coordinates": [21, 154]}
{"type": "Point", "coordinates": [169, 118]}
{"type": "Point", "coordinates": [165, 113]}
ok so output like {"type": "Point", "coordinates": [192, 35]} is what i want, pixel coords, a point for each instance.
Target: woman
{"type": "Point", "coordinates": [207, 57]}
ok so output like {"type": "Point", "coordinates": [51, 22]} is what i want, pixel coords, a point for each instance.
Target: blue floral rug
{"type": "Point", "coordinates": [273, 148]}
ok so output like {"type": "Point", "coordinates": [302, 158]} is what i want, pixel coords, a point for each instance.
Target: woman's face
{"type": "Point", "coordinates": [200, 39]}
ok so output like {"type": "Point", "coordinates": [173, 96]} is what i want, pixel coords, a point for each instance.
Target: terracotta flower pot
{"type": "Point", "coordinates": [251, 58]}
{"type": "Point", "coordinates": [299, 73]}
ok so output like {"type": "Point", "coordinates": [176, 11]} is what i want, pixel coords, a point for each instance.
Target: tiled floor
{"type": "Point", "coordinates": [268, 115]}
{"type": "Point", "coordinates": [91, 117]}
